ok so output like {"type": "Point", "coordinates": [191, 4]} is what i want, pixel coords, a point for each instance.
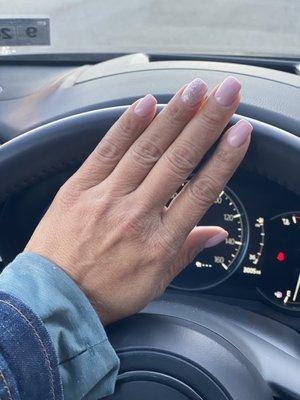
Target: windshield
{"type": "Point", "coordinates": [229, 27]}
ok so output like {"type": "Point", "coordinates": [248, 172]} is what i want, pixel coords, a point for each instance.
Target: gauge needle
{"type": "Point", "coordinates": [297, 288]}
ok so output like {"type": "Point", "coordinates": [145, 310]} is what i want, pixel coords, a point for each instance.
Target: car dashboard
{"type": "Point", "coordinates": [258, 263]}
{"type": "Point", "coordinates": [256, 266]}
{"type": "Point", "coordinates": [244, 294]}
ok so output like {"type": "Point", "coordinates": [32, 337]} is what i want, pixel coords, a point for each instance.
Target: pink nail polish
{"type": "Point", "coordinates": [145, 105]}
{"type": "Point", "coordinates": [213, 241]}
{"type": "Point", "coordinates": [239, 133]}
{"type": "Point", "coordinates": [194, 92]}
{"type": "Point", "coordinates": [227, 91]}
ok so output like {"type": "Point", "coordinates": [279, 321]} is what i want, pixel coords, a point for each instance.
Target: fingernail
{"type": "Point", "coordinates": [227, 91]}
{"type": "Point", "coordinates": [239, 133]}
{"type": "Point", "coordinates": [194, 92]}
{"type": "Point", "coordinates": [145, 105]}
{"type": "Point", "coordinates": [218, 238]}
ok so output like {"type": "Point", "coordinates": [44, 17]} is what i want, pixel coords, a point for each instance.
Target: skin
{"type": "Point", "coordinates": [108, 227]}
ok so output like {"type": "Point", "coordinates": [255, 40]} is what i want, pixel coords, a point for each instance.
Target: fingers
{"type": "Point", "coordinates": [150, 146]}
{"type": "Point", "coordinates": [199, 194]}
{"type": "Point", "coordinates": [116, 142]}
{"type": "Point", "coordinates": [200, 238]}
{"type": "Point", "coordinates": [197, 137]}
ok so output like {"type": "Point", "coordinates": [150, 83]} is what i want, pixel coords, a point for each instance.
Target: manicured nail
{"type": "Point", "coordinates": [145, 105]}
{"type": "Point", "coordinates": [218, 238]}
{"type": "Point", "coordinates": [227, 91]}
{"type": "Point", "coordinates": [239, 133]}
{"type": "Point", "coordinates": [194, 92]}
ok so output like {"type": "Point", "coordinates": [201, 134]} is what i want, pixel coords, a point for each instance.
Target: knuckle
{"type": "Point", "coordinates": [145, 152]}
{"type": "Point", "coordinates": [204, 190]}
{"type": "Point", "coordinates": [211, 119]}
{"type": "Point", "coordinates": [64, 190]}
{"type": "Point", "coordinates": [134, 223]}
{"type": "Point", "coordinates": [107, 151]}
{"type": "Point", "coordinates": [126, 126]}
{"type": "Point", "coordinates": [101, 205]}
{"type": "Point", "coordinates": [174, 115]}
{"type": "Point", "coordinates": [94, 209]}
{"type": "Point", "coordinates": [222, 156]}
{"type": "Point", "coordinates": [182, 159]}
{"type": "Point", "coordinates": [66, 194]}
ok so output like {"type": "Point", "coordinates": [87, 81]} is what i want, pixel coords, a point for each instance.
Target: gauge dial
{"type": "Point", "coordinates": [281, 273]}
{"type": "Point", "coordinates": [251, 263]}
{"type": "Point", "coordinates": [213, 266]}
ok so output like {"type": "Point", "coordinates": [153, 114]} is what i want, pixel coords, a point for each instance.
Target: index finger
{"type": "Point", "coordinates": [106, 156]}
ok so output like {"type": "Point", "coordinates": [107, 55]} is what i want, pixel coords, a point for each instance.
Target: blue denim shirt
{"type": "Point", "coordinates": [28, 363]}
{"type": "Point", "coordinates": [86, 361]}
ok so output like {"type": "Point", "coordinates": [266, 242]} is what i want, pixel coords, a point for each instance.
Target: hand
{"type": "Point", "coordinates": [108, 227]}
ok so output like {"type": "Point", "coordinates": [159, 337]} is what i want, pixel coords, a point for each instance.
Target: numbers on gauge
{"type": "Point", "coordinates": [214, 265]}
{"type": "Point", "coordinates": [251, 265]}
{"type": "Point", "coordinates": [281, 274]}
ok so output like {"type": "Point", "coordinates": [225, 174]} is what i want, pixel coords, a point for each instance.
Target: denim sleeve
{"type": "Point", "coordinates": [88, 364]}
{"type": "Point", "coordinates": [28, 363]}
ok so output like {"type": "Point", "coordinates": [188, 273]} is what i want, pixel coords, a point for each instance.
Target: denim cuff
{"type": "Point", "coordinates": [28, 363]}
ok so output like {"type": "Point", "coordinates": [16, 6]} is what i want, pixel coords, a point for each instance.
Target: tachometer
{"type": "Point", "coordinates": [215, 265]}
{"type": "Point", "coordinates": [281, 272]}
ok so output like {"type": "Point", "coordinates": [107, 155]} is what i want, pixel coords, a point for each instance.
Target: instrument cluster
{"type": "Point", "coordinates": [261, 255]}
{"type": "Point", "coordinates": [260, 259]}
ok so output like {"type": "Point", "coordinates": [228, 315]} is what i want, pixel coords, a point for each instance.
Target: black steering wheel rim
{"type": "Point", "coordinates": [274, 153]}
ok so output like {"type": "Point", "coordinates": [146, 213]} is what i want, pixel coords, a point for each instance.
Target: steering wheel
{"type": "Point", "coordinates": [179, 347]}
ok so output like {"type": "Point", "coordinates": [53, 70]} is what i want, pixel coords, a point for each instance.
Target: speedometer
{"type": "Point", "coordinates": [216, 264]}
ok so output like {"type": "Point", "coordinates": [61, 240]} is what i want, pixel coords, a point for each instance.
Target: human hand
{"type": "Point", "coordinates": [108, 227]}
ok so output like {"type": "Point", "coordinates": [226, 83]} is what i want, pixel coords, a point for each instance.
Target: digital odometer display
{"type": "Point", "coordinates": [214, 265]}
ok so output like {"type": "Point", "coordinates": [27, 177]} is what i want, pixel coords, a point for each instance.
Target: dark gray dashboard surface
{"type": "Point", "coordinates": [48, 93]}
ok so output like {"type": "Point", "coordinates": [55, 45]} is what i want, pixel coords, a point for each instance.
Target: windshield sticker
{"type": "Point", "coordinates": [24, 32]}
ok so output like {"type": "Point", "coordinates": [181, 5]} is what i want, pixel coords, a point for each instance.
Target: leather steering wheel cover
{"type": "Point", "coordinates": [274, 153]}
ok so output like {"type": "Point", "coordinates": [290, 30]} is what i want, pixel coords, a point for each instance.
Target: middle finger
{"type": "Point", "coordinates": [149, 147]}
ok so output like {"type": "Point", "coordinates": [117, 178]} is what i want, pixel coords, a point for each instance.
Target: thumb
{"type": "Point", "coordinates": [200, 237]}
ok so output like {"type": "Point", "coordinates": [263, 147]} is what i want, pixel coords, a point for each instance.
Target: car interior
{"type": "Point", "coordinates": [228, 326]}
